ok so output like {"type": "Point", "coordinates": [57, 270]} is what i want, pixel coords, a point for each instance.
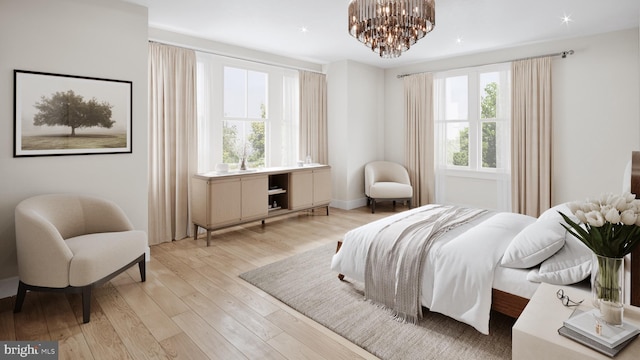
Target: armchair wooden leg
{"type": "Point", "coordinates": [86, 303]}
{"type": "Point", "coordinates": [142, 265]}
{"type": "Point", "coordinates": [22, 291]}
{"type": "Point", "coordinates": [373, 206]}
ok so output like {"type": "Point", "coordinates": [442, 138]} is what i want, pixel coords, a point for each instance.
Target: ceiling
{"type": "Point", "coordinates": [462, 26]}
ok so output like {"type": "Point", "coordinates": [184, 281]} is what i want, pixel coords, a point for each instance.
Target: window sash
{"type": "Point", "coordinates": [443, 118]}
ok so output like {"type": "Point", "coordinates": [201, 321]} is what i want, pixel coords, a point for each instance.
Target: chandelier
{"type": "Point", "coordinates": [390, 27]}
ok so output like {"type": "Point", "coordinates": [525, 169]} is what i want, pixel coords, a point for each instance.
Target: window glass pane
{"type": "Point", "coordinates": [235, 92]}
{"type": "Point", "coordinates": [488, 94]}
{"type": "Point", "coordinates": [456, 98]}
{"type": "Point", "coordinates": [489, 144]}
{"type": "Point", "coordinates": [243, 138]}
{"type": "Point", "coordinates": [458, 144]}
{"type": "Point", "coordinates": [257, 95]}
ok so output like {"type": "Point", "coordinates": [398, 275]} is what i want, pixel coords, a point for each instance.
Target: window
{"type": "Point", "coordinates": [245, 110]}
{"type": "Point", "coordinates": [472, 123]}
{"type": "Point", "coordinates": [245, 116]}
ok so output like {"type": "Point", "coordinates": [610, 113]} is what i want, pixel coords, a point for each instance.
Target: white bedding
{"type": "Point", "coordinates": [459, 269]}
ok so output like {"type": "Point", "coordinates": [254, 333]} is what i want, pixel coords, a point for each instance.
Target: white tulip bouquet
{"type": "Point", "coordinates": [611, 224]}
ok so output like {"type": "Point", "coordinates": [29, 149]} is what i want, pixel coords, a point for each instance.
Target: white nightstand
{"type": "Point", "coordinates": [535, 333]}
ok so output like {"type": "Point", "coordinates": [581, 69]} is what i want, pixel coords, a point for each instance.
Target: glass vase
{"type": "Point", "coordinates": [607, 281]}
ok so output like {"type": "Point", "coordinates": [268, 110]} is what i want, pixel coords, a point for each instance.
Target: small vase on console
{"type": "Point", "coordinates": [607, 282]}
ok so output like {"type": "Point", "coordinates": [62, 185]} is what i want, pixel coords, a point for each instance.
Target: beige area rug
{"type": "Point", "coordinates": [306, 283]}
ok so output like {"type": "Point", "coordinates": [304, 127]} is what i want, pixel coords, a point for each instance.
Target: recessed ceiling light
{"type": "Point", "coordinates": [304, 29]}
{"type": "Point", "coordinates": [566, 19]}
{"type": "Point", "coordinates": [459, 40]}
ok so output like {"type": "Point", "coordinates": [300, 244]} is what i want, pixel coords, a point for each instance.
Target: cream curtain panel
{"type": "Point", "coordinates": [172, 140]}
{"type": "Point", "coordinates": [531, 161]}
{"type": "Point", "coordinates": [313, 117]}
{"type": "Point", "coordinates": [419, 136]}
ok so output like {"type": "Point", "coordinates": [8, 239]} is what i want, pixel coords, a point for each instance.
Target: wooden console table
{"type": "Point", "coordinates": [223, 200]}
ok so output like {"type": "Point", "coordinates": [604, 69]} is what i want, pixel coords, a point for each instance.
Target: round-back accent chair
{"type": "Point", "coordinates": [72, 243]}
{"type": "Point", "coordinates": [385, 180]}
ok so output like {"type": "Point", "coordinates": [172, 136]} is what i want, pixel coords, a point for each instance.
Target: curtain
{"type": "Point", "coordinates": [531, 161]}
{"type": "Point", "coordinates": [313, 117]}
{"type": "Point", "coordinates": [419, 136]}
{"type": "Point", "coordinates": [172, 140]}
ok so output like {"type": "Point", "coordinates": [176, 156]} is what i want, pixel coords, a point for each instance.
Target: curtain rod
{"type": "Point", "coordinates": [562, 54]}
{"type": "Point", "coordinates": [235, 57]}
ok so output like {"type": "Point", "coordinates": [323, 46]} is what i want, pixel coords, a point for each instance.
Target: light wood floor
{"type": "Point", "coordinates": [193, 304]}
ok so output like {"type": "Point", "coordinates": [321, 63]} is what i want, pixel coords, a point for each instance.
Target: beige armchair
{"type": "Point", "coordinates": [385, 180]}
{"type": "Point", "coordinates": [72, 243]}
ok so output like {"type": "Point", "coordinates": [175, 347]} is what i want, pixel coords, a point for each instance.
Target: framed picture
{"type": "Point", "coordinates": [70, 115]}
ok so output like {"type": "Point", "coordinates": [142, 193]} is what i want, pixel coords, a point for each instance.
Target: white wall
{"type": "Point", "coordinates": [218, 48]}
{"type": "Point", "coordinates": [94, 38]}
{"type": "Point", "coordinates": [596, 111]}
{"type": "Point", "coordinates": [338, 130]}
{"type": "Point", "coordinates": [356, 132]}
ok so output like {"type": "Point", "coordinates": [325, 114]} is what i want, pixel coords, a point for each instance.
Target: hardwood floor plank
{"type": "Point", "coordinates": [63, 327]}
{"type": "Point", "coordinates": [181, 347]}
{"type": "Point", "coordinates": [58, 312]}
{"type": "Point", "coordinates": [169, 302]}
{"type": "Point", "coordinates": [100, 335]}
{"type": "Point", "coordinates": [232, 330]}
{"type": "Point", "coordinates": [72, 344]}
{"type": "Point", "coordinates": [159, 324]}
{"type": "Point", "coordinates": [168, 278]}
{"type": "Point", "coordinates": [30, 323]}
{"type": "Point", "coordinates": [312, 335]}
{"type": "Point", "coordinates": [293, 349]}
{"type": "Point", "coordinates": [7, 326]}
{"type": "Point", "coordinates": [214, 345]}
{"type": "Point", "coordinates": [243, 313]}
{"type": "Point", "coordinates": [136, 337]}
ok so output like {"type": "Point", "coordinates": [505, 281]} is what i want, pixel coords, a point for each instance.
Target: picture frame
{"type": "Point", "coordinates": [56, 114]}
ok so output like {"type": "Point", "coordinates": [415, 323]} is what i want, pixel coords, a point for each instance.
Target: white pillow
{"type": "Point", "coordinates": [552, 214]}
{"type": "Point", "coordinates": [534, 275]}
{"type": "Point", "coordinates": [534, 244]}
{"type": "Point", "coordinates": [570, 265]}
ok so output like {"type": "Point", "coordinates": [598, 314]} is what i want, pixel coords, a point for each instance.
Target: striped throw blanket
{"type": "Point", "coordinates": [394, 260]}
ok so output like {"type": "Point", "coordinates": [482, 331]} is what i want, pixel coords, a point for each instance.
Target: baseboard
{"type": "Point", "coordinates": [349, 205]}
{"type": "Point", "coordinates": [8, 287]}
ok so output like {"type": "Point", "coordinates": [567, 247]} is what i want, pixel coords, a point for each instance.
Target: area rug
{"type": "Point", "coordinates": [306, 283]}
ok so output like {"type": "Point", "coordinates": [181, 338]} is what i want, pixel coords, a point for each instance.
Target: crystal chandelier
{"type": "Point", "coordinates": [390, 27]}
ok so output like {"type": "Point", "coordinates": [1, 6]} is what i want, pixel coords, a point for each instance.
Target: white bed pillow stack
{"type": "Point", "coordinates": [563, 259]}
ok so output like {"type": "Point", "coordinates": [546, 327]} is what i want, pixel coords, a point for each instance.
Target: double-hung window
{"type": "Point", "coordinates": [245, 111]}
{"type": "Point", "coordinates": [472, 144]}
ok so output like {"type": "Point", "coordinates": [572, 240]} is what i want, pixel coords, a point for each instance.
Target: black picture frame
{"type": "Point", "coordinates": [57, 114]}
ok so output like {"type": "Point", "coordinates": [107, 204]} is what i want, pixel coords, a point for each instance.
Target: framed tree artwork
{"type": "Point", "coordinates": [70, 115]}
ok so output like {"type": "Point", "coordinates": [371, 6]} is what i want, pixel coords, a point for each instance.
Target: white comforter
{"type": "Point", "coordinates": [457, 277]}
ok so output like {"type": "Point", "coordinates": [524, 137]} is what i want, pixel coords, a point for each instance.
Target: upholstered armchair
{"type": "Point", "coordinates": [385, 180]}
{"type": "Point", "coordinates": [72, 243]}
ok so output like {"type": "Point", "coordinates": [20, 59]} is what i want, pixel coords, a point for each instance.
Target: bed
{"type": "Point", "coordinates": [505, 257]}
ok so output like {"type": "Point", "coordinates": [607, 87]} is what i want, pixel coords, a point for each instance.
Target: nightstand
{"type": "Point", "coordinates": [535, 333]}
